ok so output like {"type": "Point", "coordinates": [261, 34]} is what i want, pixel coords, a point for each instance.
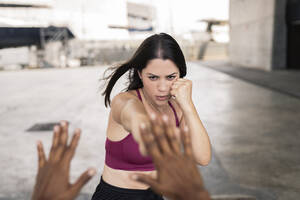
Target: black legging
{"type": "Point", "coordinates": [105, 191]}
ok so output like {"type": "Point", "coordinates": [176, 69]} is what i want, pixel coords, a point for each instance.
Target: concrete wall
{"type": "Point", "coordinates": [108, 52]}
{"type": "Point", "coordinates": [258, 34]}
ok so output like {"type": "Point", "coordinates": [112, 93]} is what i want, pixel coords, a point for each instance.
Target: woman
{"type": "Point", "coordinates": [156, 86]}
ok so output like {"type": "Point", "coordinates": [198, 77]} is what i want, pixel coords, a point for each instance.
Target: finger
{"type": "Point", "coordinates": [178, 135]}
{"type": "Point", "coordinates": [56, 133]}
{"type": "Point", "coordinates": [81, 181]}
{"type": "Point", "coordinates": [187, 142]}
{"type": "Point", "coordinates": [173, 92]}
{"type": "Point", "coordinates": [138, 138]}
{"type": "Point", "coordinates": [180, 85]}
{"type": "Point", "coordinates": [41, 154]}
{"type": "Point", "coordinates": [185, 82]}
{"type": "Point", "coordinates": [62, 144]}
{"type": "Point", "coordinates": [73, 145]}
{"type": "Point", "coordinates": [159, 130]}
{"type": "Point", "coordinates": [175, 84]}
{"type": "Point", "coordinates": [64, 134]}
{"type": "Point", "coordinates": [151, 145]}
{"type": "Point", "coordinates": [174, 143]}
{"type": "Point", "coordinates": [178, 82]}
{"type": "Point", "coordinates": [174, 89]}
{"type": "Point", "coordinates": [143, 150]}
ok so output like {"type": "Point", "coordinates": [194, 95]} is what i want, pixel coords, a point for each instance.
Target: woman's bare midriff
{"type": "Point", "coordinates": [121, 178]}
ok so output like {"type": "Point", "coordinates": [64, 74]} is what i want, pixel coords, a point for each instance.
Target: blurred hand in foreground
{"type": "Point", "coordinates": [52, 181]}
{"type": "Point", "coordinates": [178, 177]}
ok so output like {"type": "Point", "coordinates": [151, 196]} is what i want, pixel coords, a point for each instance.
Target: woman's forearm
{"type": "Point", "coordinates": [200, 140]}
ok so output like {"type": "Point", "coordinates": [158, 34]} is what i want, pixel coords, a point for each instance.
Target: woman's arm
{"type": "Point", "coordinates": [200, 140]}
{"type": "Point", "coordinates": [128, 111]}
{"type": "Point", "coordinates": [182, 90]}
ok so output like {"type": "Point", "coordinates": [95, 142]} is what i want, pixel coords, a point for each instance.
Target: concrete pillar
{"type": "Point", "coordinates": [258, 34]}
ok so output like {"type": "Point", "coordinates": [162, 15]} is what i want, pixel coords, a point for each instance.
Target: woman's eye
{"type": "Point", "coordinates": [152, 78]}
{"type": "Point", "coordinates": [171, 77]}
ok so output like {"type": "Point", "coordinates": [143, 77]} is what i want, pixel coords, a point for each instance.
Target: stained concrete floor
{"type": "Point", "coordinates": [254, 130]}
{"type": "Point", "coordinates": [283, 81]}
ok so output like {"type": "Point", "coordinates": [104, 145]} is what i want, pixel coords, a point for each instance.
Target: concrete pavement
{"type": "Point", "coordinates": [254, 131]}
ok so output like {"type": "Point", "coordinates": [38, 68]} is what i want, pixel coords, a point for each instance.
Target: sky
{"type": "Point", "coordinates": [182, 15]}
{"type": "Point", "coordinates": [89, 19]}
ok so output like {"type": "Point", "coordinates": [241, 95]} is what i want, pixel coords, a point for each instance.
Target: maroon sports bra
{"type": "Point", "coordinates": [125, 154]}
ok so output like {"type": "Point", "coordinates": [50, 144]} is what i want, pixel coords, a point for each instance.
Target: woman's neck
{"type": "Point", "coordinates": [159, 109]}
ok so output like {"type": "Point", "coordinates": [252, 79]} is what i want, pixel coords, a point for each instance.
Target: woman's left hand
{"type": "Point", "coordinates": [181, 89]}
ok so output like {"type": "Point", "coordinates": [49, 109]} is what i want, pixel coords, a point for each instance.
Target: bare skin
{"type": "Point", "coordinates": [172, 181]}
{"type": "Point", "coordinates": [160, 141]}
{"type": "Point", "coordinates": [120, 178]}
{"type": "Point", "coordinates": [161, 80]}
{"type": "Point", "coordinates": [52, 181]}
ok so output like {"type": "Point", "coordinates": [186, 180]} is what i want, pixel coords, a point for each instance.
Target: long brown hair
{"type": "Point", "coordinates": [156, 46]}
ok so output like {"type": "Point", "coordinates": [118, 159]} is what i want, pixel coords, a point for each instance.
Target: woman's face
{"type": "Point", "coordinates": [157, 78]}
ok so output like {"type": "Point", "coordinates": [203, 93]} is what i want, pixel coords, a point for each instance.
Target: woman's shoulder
{"type": "Point", "coordinates": [123, 97]}
{"type": "Point", "coordinates": [133, 92]}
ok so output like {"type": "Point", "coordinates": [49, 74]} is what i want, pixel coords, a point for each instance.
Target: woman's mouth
{"type": "Point", "coordinates": [162, 98]}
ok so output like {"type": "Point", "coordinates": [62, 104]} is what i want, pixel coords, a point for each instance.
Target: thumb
{"type": "Point", "coordinates": [81, 181]}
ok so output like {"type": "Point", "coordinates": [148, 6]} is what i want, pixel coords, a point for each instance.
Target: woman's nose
{"type": "Point", "coordinates": [163, 86]}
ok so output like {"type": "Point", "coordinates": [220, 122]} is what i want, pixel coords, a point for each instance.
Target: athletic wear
{"type": "Point", "coordinates": [125, 154]}
{"type": "Point", "coordinates": [105, 191]}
